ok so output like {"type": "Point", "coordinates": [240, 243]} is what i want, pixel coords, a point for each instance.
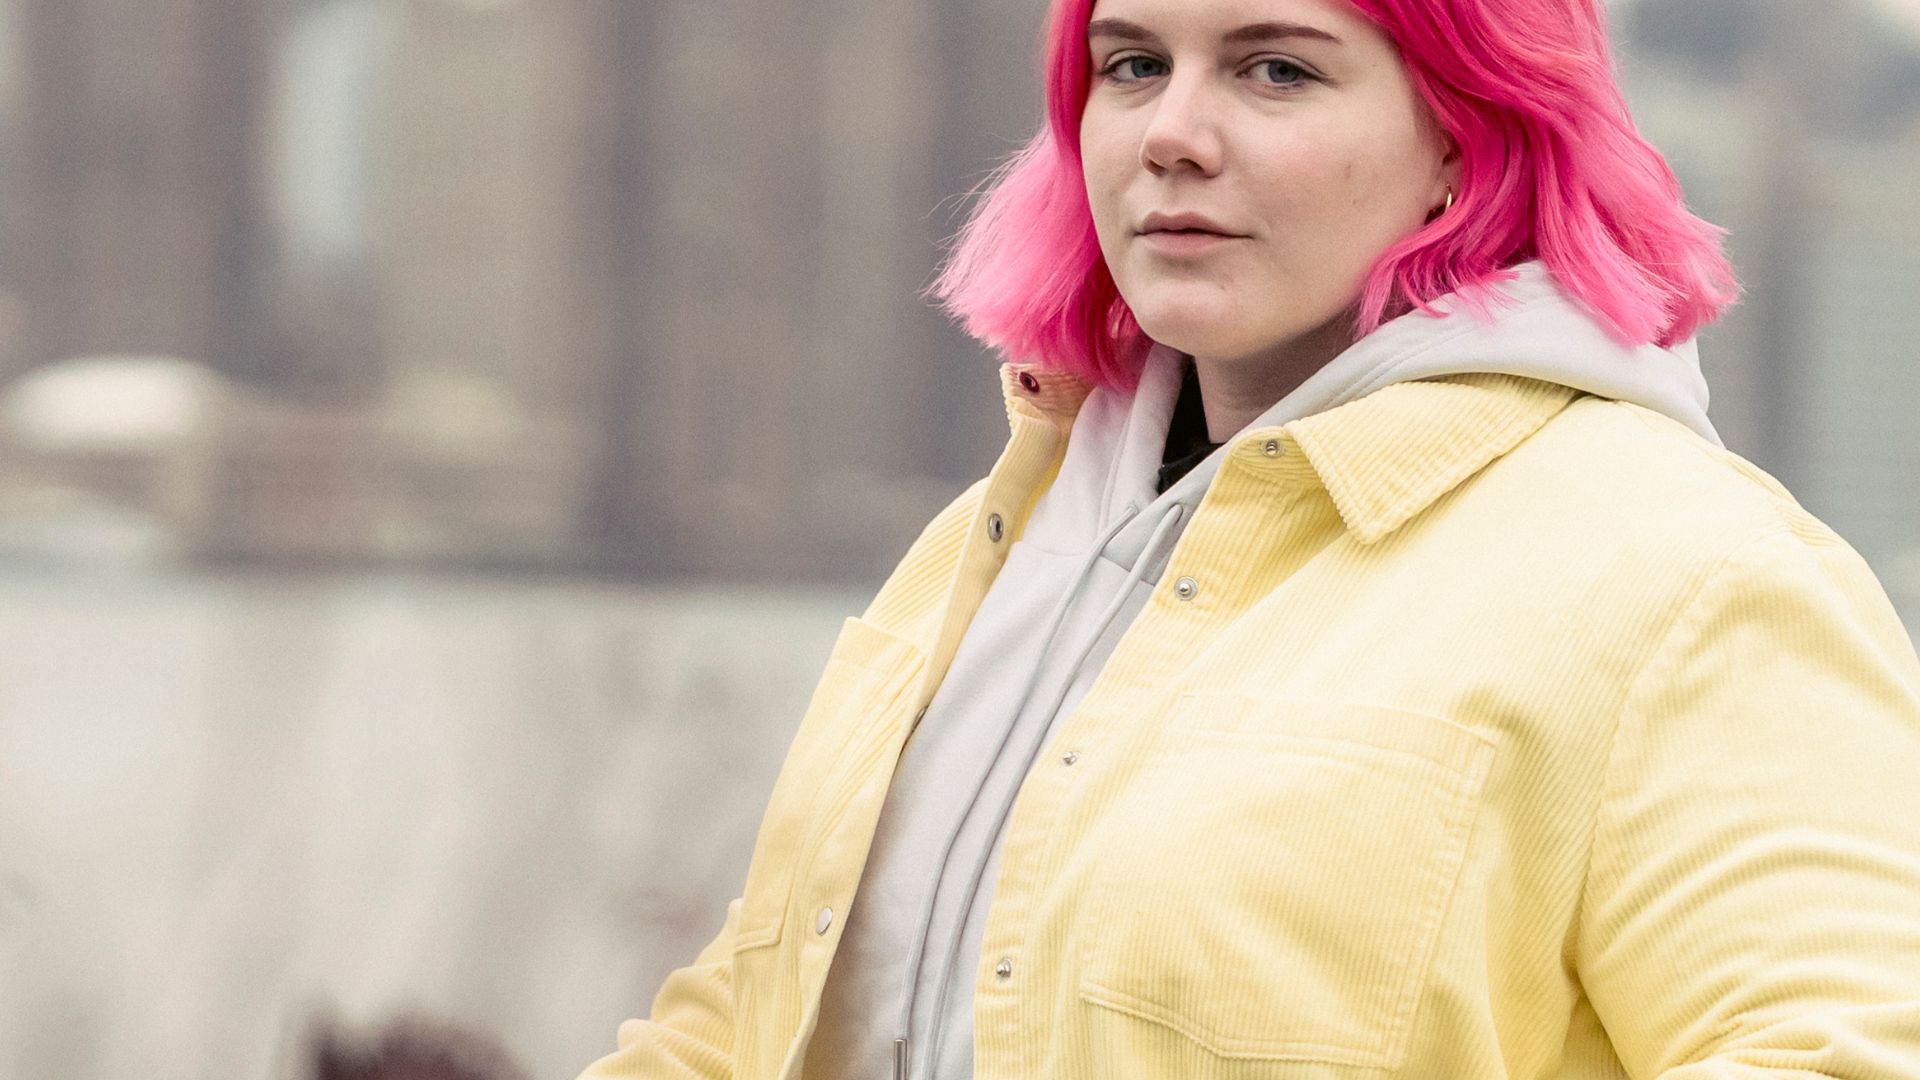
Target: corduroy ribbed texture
{"type": "Point", "coordinates": [1509, 732]}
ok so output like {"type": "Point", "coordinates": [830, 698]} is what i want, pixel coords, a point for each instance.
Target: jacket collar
{"type": "Point", "coordinates": [1382, 458]}
{"type": "Point", "coordinates": [1043, 394]}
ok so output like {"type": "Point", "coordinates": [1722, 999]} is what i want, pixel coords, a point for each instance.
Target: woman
{"type": "Point", "coordinates": [1394, 674]}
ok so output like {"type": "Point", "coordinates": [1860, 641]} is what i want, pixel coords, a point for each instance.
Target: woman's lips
{"type": "Point", "coordinates": [1186, 241]}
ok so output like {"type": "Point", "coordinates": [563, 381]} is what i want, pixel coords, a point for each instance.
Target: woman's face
{"type": "Point", "coordinates": [1289, 125]}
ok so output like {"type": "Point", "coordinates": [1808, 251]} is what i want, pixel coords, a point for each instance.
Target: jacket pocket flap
{"type": "Point", "coordinates": [1441, 741]}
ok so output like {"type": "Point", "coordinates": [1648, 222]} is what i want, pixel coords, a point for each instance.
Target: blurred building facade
{"type": "Point", "coordinates": [595, 285]}
{"type": "Point", "coordinates": [581, 284]}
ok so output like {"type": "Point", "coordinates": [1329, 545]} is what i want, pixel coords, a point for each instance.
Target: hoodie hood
{"type": "Point", "coordinates": [1537, 331]}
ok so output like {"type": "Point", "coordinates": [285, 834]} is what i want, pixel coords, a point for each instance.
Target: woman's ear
{"type": "Point", "coordinates": [1446, 178]}
{"type": "Point", "coordinates": [1451, 165]}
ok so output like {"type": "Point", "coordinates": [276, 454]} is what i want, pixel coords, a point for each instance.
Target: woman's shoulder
{"type": "Point", "coordinates": [1641, 514]}
{"type": "Point", "coordinates": [1640, 471]}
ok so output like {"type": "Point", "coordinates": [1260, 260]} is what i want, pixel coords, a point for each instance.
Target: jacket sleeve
{"type": "Point", "coordinates": [1752, 903]}
{"type": "Point", "coordinates": [689, 1033]}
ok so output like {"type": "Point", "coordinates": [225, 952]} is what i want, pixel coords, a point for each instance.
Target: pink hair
{"type": "Point", "coordinates": [1552, 168]}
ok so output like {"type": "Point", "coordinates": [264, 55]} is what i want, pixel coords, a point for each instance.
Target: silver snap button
{"type": "Point", "coordinates": [1186, 588]}
{"type": "Point", "coordinates": [996, 527]}
{"type": "Point", "coordinates": [1004, 969]}
{"type": "Point", "coordinates": [1272, 448]}
{"type": "Point", "coordinates": [825, 920]}
{"type": "Point", "coordinates": [1069, 757]}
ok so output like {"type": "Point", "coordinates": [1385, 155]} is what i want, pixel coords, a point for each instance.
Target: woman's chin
{"type": "Point", "coordinates": [1193, 333]}
{"type": "Point", "coordinates": [1197, 318]}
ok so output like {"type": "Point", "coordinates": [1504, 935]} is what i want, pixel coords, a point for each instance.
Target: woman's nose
{"type": "Point", "coordinates": [1182, 131]}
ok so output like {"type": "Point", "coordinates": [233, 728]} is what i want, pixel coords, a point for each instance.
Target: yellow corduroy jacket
{"type": "Point", "coordinates": [1511, 732]}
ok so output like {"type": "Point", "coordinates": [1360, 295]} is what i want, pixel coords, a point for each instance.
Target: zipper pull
{"type": "Point", "coordinates": [900, 1059]}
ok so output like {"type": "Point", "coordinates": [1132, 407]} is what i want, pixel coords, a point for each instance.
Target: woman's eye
{"type": "Point", "coordinates": [1283, 72]}
{"type": "Point", "coordinates": [1130, 68]}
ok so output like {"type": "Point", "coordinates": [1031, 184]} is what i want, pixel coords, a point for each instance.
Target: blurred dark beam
{"type": "Point", "coordinates": [57, 115]}
{"type": "Point", "coordinates": [229, 42]}
{"type": "Point", "coordinates": [1780, 256]}
{"type": "Point", "coordinates": [628, 534]}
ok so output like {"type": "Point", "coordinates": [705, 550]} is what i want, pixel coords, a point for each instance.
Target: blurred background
{"type": "Point", "coordinates": [439, 440]}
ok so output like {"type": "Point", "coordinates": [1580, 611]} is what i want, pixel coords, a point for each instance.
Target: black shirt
{"type": "Point", "coordinates": [1187, 443]}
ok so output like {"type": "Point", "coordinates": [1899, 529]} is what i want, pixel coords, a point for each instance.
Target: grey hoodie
{"type": "Point", "coordinates": [1090, 556]}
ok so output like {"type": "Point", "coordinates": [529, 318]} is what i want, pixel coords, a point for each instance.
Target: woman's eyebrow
{"type": "Point", "coordinates": [1263, 31]}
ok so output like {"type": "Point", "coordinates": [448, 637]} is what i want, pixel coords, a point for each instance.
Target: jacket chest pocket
{"type": "Point", "coordinates": [1273, 883]}
{"type": "Point", "coordinates": [852, 707]}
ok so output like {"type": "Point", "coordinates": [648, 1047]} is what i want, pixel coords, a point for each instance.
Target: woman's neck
{"type": "Point", "coordinates": [1236, 391]}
